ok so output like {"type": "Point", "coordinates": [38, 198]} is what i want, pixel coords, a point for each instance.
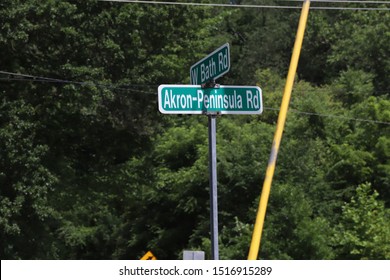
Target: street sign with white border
{"type": "Point", "coordinates": [193, 99]}
{"type": "Point", "coordinates": [212, 66]}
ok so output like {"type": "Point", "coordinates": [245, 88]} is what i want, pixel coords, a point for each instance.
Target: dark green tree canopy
{"type": "Point", "coordinates": [90, 170]}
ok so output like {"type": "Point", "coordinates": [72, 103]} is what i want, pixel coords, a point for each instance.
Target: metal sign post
{"type": "Point", "coordinates": [212, 100]}
{"type": "Point", "coordinates": [206, 97]}
{"type": "Point", "coordinates": [212, 131]}
{"type": "Point", "coordinates": [213, 186]}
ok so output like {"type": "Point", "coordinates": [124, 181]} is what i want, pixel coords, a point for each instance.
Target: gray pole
{"type": "Point", "coordinates": [213, 186]}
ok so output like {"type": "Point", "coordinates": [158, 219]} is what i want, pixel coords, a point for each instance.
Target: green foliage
{"type": "Point", "coordinates": [234, 238]}
{"type": "Point", "coordinates": [333, 44]}
{"type": "Point", "coordinates": [61, 142]}
{"type": "Point", "coordinates": [25, 181]}
{"type": "Point", "coordinates": [292, 231]}
{"type": "Point", "coordinates": [261, 39]}
{"type": "Point", "coordinates": [363, 48]}
{"type": "Point", "coordinates": [364, 229]}
{"type": "Point", "coordinates": [353, 87]}
{"type": "Point", "coordinates": [90, 170]}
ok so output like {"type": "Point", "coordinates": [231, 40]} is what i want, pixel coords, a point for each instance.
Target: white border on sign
{"type": "Point", "coordinates": [198, 112]}
{"type": "Point", "coordinates": [206, 57]}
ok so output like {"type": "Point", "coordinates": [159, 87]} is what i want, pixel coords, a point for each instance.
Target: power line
{"type": "Point", "coordinates": [328, 116]}
{"type": "Point", "coordinates": [342, 1]}
{"type": "Point", "coordinates": [247, 5]}
{"type": "Point", "coordinates": [39, 79]}
{"type": "Point", "coordinates": [30, 78]}
{"type": "Point", "coordinates": [338, 117]}
{"type": "Point", "coordinates": [202, 4]}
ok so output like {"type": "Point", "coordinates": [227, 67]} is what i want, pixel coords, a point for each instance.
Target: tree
{"type": "Point", "coordinates": [64, 136]}
{"type": "Point", "coordinates": [364, 229]}
{"type": "Point", "coordinates": [26, 216]}
{"type": "Point", "coordinates": [90, 169]}
{"type": "Point", "coordinates": [363, 48]}
{"type": "Point", "coordinates": [292, 230]}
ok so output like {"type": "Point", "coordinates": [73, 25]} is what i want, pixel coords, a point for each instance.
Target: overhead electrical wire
{"type": "Point", "coordinates": [248, 5]}
{"type": "Point", "coordinates": [333, 116]}
{"type": "Point", "coordinates": [340, 1]}
{"type": "Point", "coordinates": [30, 78]}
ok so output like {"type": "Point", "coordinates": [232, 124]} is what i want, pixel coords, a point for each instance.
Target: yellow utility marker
{"type": "Point", "coordinates": [257, 231]}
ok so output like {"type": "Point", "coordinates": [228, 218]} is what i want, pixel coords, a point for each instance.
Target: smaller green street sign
{"type": "Point", "coordinates": [193, 99]}
{"type": "Point", "coordinates": [212, 66]}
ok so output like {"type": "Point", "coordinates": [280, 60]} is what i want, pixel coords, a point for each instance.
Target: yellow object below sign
{"type": "Point", "coordinates": [149, 256]}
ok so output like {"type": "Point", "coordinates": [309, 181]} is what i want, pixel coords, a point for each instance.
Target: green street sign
{"type": "Point", "coordinates": [212, 66]}
{"type": "Point", "coordinates": [193, 99]}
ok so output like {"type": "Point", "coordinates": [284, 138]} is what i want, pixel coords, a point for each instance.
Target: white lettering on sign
{"type": "Point", "coordinates": [167, 104]}
{"type": "Point", "coordinates": [219, 101]}
{"type": "Point", "coordinates": [252, 101]}
{"type": "Point", "coordinates": [222, 61]}
{"type": "Point", "coordinates": [206, 101]}
{"type": "Point", "coordinates": [207, 71]}
{"type": "Point", "coordinates": [213, 66]}
{"type": "Point", "coordinates": [199, 94]}
{"type": "Point", "coordinates": [212, 101]}
{"type": "Point", "coordinates": [233, 99]}
{"type": "Point", "coordinates": [172, 101]}
{"type": "Point", "coordinates": [194, 76]}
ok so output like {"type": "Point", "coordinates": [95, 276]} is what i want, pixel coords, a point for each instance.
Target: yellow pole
{"type": "Point", "coordinates": [257, 231]}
